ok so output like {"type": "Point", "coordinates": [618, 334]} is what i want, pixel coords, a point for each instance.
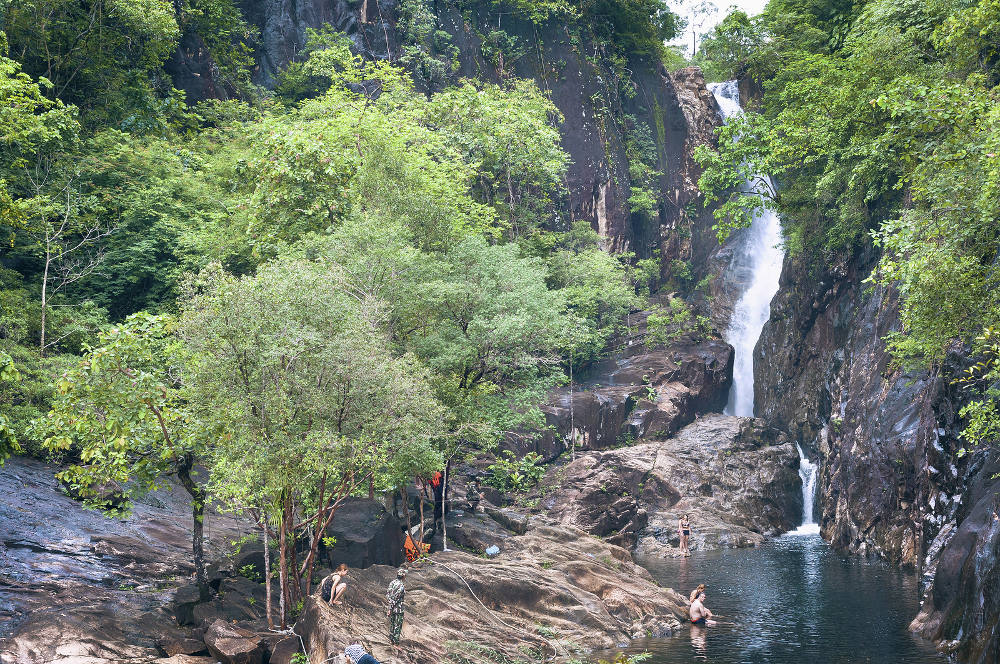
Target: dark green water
{"type": "Point", "coordinates": [793, 600]}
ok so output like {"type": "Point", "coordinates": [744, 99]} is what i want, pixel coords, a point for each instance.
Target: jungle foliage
{"type": "Point", "coordinates": [313, 293]}
{"type": "Point", "coordinates": [881, 122]}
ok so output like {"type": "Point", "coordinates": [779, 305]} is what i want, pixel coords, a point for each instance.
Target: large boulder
{"type": "Point", "coordinates": [181, 644]}
{"type": "Point", "coordinates": [740, 483]}
{"type": "Point", "coordinates": [232, 644]}
{"type": "Point", "coordinates": [238, 599]}
{"type": "Point", "coordinates": [284, 650]}
{"type": "Point", "coordinates": [964, 599]}
{"type": "Point", "coordinates": [366, 535]}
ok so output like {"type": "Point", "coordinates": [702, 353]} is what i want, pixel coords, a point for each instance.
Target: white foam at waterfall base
{"type": "Point", "coordinates": [808, 473]}
{"type": "Point", "coordinates": [762, 253]}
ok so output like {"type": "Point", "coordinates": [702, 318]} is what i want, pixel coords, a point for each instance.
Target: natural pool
{"type": "Point", "coordinates": [793, 600]}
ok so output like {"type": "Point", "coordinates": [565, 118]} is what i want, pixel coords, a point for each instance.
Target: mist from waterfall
{"type": "Point", "coordinates": [760, 253]}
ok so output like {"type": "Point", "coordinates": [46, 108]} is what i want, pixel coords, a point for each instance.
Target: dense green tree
{"type": "Point", "coordinates": [485, 126]}
{"type": "Point", "coordinates": [124, 413]}
{"type": "Point", "coordinates": [99, 55]}
{"type": "Point", "coordinates": [107, 56]}
{"type": "Point", "coordinates": [638, 27]}
{"type": "Point", "coordinates": [311, 404]}
{"type": "Point", "coordinates": [8, 437]}
{"type": "Point", "coordinates": [492, 335]}
{"type": "Point", "coordinates": [597, 286]}
{"type": "Point", "coordinates": [30, 124]}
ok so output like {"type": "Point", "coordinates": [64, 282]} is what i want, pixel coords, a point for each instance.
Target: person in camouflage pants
{"type": "Point", "coordinates": [395, 595]}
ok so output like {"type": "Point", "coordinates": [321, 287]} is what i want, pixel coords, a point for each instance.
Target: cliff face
{"type": "Point", "coordinates": [602, 102]}
{"type": "Point", "coordinates": [892, 482]}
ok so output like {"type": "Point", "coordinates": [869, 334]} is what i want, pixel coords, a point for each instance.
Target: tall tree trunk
{"type": "Point", "coordinates": [197, 531]}
{"type": "Point", "coordinates": [572, 422]}
{"type": "Point", "coordinates": [323, 518]}
{"type": "Point", "coordinates": [267, 570]}
{"type": "Point", "coordinates": [45, 290]}
{"type": "Point", "coordinates": [420, 504]}
{"type": "Point", "coordinates": [283, 563]}
{"type": "Point", "coordinates": [295, 585]}
{"type": "Point", "coordinates": [444, 507]}
{"type": "Point", "coordinates": [406, 508]}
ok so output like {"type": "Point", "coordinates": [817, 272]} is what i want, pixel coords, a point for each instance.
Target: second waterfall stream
{"type": "Point", "coordinates": [759, 254]}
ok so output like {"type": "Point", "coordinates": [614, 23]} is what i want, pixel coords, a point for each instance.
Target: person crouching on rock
{"type": "Point", "coordinates": [355, 654]}
{"type": "Point", "coordinates": [334, 585]}
{"type": "Point", "coordinates": [474, 495]}
{"type": "Point", "coordinates": [700, 615]}
{"type": "Point", "coordinates": [395, 595]}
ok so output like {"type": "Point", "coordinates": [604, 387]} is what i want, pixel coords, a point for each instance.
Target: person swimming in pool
{"type": "Point", "coordinates": [699, 613]}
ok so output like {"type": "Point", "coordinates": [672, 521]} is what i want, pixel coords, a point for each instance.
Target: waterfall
{"type": "Point", "coordinates": [760, 255]}
{"type": "Point", "coordinates": [808, 473]}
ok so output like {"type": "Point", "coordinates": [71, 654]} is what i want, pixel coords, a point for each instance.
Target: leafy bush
{"type": "Point", "coordinates": [512, 475]}
{"type": "Point", "coordinates": [665, 325]}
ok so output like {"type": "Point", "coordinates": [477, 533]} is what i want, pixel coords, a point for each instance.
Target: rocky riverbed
{"type": "Point", "coordinates": [554, 591]}
{"type": "Point", "coordinates": [79, 588]}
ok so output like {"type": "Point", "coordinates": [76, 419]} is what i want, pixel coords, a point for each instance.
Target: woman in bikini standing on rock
{"type": "Point", "coordinates": [684, 530]}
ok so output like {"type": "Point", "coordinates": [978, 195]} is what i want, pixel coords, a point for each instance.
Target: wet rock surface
{"type": "Point", "coordinates": [886, 439]}
{"type": "Point", "coordinates": [892, 482]}
{"type": "Point", "coordinates": [638, 393]}
{"type": "Point", "coordinates": [964, 599]}
{"type": "Point", "coordinates": [555, 590]}
{"type": "Point", "coordinates": [77, 586]}
{"type": "Point", "coordinates": [739, 483]}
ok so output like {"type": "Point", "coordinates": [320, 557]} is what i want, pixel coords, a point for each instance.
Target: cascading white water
{"type": "Point", "coordinates": [808, 473]}
{"type": "Point", "coordinates": [760, 253]}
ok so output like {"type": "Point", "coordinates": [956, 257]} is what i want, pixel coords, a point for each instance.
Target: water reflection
{"type": "Point", "coordinates": [793, 600]}
{"type": "Point", "coordinates": [699, 642]}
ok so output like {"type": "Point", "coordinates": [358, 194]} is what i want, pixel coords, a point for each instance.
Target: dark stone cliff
{"type": "Point", "coordinates": [600, 102]}
{"type": "Point", "coordinates": [892, 481]}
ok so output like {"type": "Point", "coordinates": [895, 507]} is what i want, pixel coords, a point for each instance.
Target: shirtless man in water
{"type": "Point", "coordinates": [700, 615]}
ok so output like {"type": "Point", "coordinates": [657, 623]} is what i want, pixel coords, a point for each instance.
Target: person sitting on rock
{"type": "Point", "coordinates": [694, 593]}
{"type": "Point", "coordinates": [355, 654]}
{"type": "Point", "coordinates": [334, 586]}
{"type": "Point", "coordinates": [700, 615]}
